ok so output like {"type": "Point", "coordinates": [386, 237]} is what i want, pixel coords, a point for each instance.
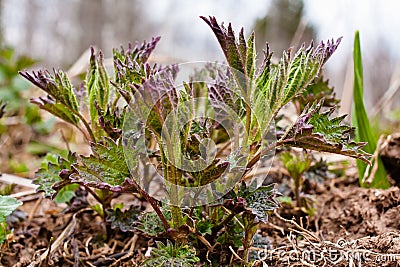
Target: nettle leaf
{"type": "Point", "coordinates": [130, 65]}
{"type": "Point", "coordinates": [105, 167]}
{"type": "Point", "coordinates": [225, 91]}
{"type": "Point", "coordinates": [61, 99]}
{"type": "Point", "coordinates": [53, 176]}
{"type": "Point", "coordinates": [7, 206]}
{"type": "Point", "coordinates": [278, 84]}
{"type": "Point", "coordinates": [317, 131]}
{"type": "Point", "coordinates": [98, 86]}
{"type": "Point", "coordinates": [57, 109]}
{"type": "Point", "coordinates": [156, 98]}
{"type": "Point", "coordinates": [209, 174]}
{"type": "Point", "coordinates": [204, 226]}
{"type": "Point", "coordinates": [239, 53]}
{"type": "Point", "coordinates": [124, 220]}
{"type": "Point", "coordinates": [171, 255]}
{"type": "Point", "coordinates": [111, 121]}
{"type": "Point", "coordinates": [317, 90]}
{"type": "Point", "coordinates": [150, 224]}
{"type": "Point", "coordinates": [260, 201]}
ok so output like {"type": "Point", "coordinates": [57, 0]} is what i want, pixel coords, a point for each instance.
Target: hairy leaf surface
{"type": "Point", "coordinates": [57, 85]}
{"type": "Point", "coordinates": [98, 87]}
{"type": "Point", "coordinates": [260, 201]}
{"type": "Point", "coordinates": [124, 220]}
{"type": "Point", "coordinates": [53, 174]}
{"type": "Point", "coordinates": [317, 131]}
{"type": "Point", "coordinates": [105, 167]}
{"type": "Point", "coordinates": [171, 255]}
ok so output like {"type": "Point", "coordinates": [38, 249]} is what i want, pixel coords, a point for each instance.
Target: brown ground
{"type": "Point", "coordinates": [349, 220]}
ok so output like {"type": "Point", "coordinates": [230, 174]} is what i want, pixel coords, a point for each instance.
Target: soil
{"type": "Point", "coordinates": [350, 226]}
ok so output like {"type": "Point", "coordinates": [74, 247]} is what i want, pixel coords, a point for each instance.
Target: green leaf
{"type": "Point", "coordinates": [3, 232]}
{"type": "Point", "coordinates": [58, 86]}
{"type": "Point", "coordinates": [171, 255]}
{"type": "Point", "coordinates": [317, 131]}
{"type": "Point", "coordinates": [98, 87]}
{"type": "Point", "coordinates": [105, 167]}
{"type": "Point", "coordinates": [111, 121]}
{"type": "Point", "coordinates": [278, 84]}
{"type": "Point", "coordinates": [49, 175]}
{"type": "Point", "coordinates": [130, 65]}
{"type": "Point", "coordinates": [66, 193]}
{"type": "Point", "coordinates": [260, 201]}
{"type": "Point", "coordinates": [362, 123]}
{"type": "Point", "coordinates": [239, 53]}
{"type": "Point", "coordinates": [204, 226]}
{"type": "Point", "coordinates": [124, 220]}
{"type": "Point", "coordinates": [296, 165]}
{"type": "Point", "coordinates": [7, 206]}
{"type": "Point", "coordinates": [150, 224]}
{"type": "Point", "coordinates": [317, 90]}
{"type": "Point", "coordinates": [98, 208]}
{"type": "Point", "coordinates": [57, 109]}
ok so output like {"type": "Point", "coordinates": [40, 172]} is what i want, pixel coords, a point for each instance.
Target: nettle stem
{"type": "Point", "coordinates": [172, 175]}
{"type": "Point", "coordinates": [298, 181]}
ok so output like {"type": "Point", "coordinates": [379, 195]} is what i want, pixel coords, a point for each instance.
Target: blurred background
{"type": "Point", "coordinates": [58, 32]}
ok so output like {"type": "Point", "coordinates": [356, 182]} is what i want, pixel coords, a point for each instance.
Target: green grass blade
{"type": "Point", "coordinates": [361, 122]}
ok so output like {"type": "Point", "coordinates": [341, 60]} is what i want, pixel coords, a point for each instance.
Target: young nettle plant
{"type": "Point", "coordinates": [201, 140]}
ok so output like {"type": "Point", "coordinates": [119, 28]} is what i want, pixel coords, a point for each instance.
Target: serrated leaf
{"type": "Point", "coordinates": [260, 201]}
{"type": "Point", "coordinates": [106, 166]}
{"type": "Point", "coordinates": [224, 91]}
{"type": "Point", "coordinates": [49, 176]}
{"type": "Point", "coordinates": [317, 90]}
{"type": "Point", "coordinates": [317, 131]}
{"type": "Point", "coordinates": [150, 224]}
{"type": "Point", "coordinates": [239, 53]}
{"type": "Point", "coordinates": [171, 255]}
{"type": "Point", "coordinates": [98, 87]}
{"type": "Point", "coordinates": [7, 206]}
{"type": "Point", "coordinates": [279, 84]}
{"type": "Point", "coordinates": [130, 65]}
{"type": "Point", "coordinates": [57, 109]}
{"type": "Point", "coordinates": [58, 86]}
{"type": "Point", "coordinates": [111, 121]}
{"type": "Point", "coordinates": [362, 123]}
{"type": "Point", "coordinates": [156, 98]}
{"type": "Point", "coordinates": [124, 220]}
{"type": "Point", "coordinates": [204, 227]}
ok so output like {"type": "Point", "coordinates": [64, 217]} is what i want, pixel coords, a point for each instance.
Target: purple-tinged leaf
{"type": "Point", "coordinates": [54, 176]}
{"type": "Point", "coordinates": [317, 131]}
{"type": "Point", "coordinates": [58, 86]}
{"type": "Point", "coordinates": [105, 168]}
{"type": "Point", "coordinates": [260, 201]}
{"type": "Point", "coordinates": [239, 53]}
{"type": "Point", "coordinates": [57, 109]}
{"type": "Point", "coordinates": [124, 220]}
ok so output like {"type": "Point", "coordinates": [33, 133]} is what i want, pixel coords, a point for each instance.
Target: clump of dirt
{"type": "Point", "coordinates": [352, 226]}
{"type": "Point", "coordinates": [351, 211]}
